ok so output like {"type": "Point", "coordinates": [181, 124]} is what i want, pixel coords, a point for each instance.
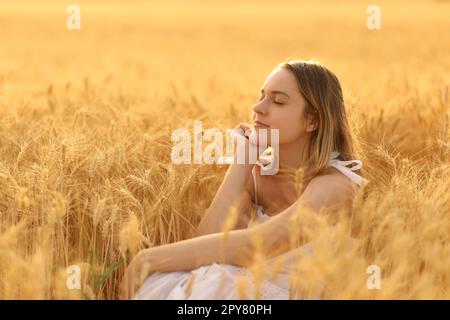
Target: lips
{"type": "Point", "coordinates": [259, 124]}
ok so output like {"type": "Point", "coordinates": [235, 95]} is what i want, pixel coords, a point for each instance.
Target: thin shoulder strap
{"type": "Point", "coordinates": [342, 167]}
{"type": "Point", "coordinates": [254, 185]}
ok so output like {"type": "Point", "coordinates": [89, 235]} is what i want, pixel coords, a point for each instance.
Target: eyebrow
{"type": "Point", "coordinates": [276, 92]}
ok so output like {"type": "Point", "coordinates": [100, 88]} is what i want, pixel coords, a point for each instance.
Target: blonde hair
{"type": "Point", "coordinates": [324, 101]}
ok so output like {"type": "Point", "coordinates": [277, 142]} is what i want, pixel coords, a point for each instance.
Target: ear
{"type": "Point", "coordinates": [311, 122]}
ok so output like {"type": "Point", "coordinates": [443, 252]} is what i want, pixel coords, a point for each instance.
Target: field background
{"type": "Point", "coordinates": [86, 117]}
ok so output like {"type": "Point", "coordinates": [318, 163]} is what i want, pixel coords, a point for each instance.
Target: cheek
{"type": "Point", "coordinates": [289, 124]}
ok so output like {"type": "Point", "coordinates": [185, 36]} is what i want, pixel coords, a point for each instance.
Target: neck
{"type": "Point", "coordinates": [292, 154]}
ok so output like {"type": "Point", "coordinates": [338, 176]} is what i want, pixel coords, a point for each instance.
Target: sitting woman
{"type": "Point", "coordinates": [304, 101]}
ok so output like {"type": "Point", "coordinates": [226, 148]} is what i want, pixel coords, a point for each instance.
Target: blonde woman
{"type": "Point", "coordinates": [304, 101]}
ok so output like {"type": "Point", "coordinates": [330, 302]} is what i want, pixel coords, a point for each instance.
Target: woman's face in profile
{"type": "Point", "coordinates": [281, 106]}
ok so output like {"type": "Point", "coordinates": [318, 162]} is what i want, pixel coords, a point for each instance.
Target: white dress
{"type": "Point", "coordinates": [220, 281]}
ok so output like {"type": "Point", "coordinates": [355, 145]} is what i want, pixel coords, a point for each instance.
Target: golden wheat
{"type": "Point", "coordinates": [86, 177]}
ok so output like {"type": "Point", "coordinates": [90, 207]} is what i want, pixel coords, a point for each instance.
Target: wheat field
{"type": "Point", "coordinates": [86, 118]}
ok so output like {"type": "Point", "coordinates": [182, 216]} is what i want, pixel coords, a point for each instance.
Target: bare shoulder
{"type": "Point", "coordinates": [329, 189]}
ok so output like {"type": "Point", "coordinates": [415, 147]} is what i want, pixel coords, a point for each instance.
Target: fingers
{"type": "Point", "coordinates": [129, 290]}
{"type": "Point", "coordinates": [243, 129]}
{"type": "Point", "coordinates": [122, 293]}
{"type": "Point", "coordinates": [125, 289]}
{"type": "Point", "coordinates": [244, 126]}
{"type": "Point", "coordinates": [239, 133]}
{"type": "Point", "coordinates": [128, 285]}
{"type": "Point", "coordinates": [255, 141]}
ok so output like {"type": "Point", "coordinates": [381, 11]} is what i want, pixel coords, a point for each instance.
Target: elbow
{"type": "Point", "coordinates": [239, 248]}
{"type": "Point", "coordinates": [269, 241]}
{"type": "Point", "coordinates": [204, 229]}
{"type": "Point", "coordinates": [200, 232]}
{"type": "Point", "coordinates": [247, 243]}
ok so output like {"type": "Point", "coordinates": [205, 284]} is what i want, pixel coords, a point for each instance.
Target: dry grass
{"type": "Point", "coordinates": [86, 118]}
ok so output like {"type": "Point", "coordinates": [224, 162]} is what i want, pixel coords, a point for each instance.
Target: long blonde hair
{"type": "Point", "coordinates": [324, 101]}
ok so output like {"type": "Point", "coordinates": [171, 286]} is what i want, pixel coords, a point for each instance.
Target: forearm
{"type": "Point", "coordinates": [231, 193]}
{"type": "Point", "coordinates": [238, 248]}
{"type": "Point", "coordinates": [193, 253]}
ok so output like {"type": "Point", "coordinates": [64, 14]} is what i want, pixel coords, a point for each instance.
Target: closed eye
{"type": "Point", "coordinates": [277, 102]}
{"type": "Point", "coordinates": [274, 101]}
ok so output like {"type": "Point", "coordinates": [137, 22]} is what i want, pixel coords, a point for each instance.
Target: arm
{"type": "Point", "coordinates": [204, 250]}
{"type": "Point", "coordinates": [186, 255]}
{"type": "Point", "coordinates": [329, 191]}
{"type": "Point", "coordinates": [322, 192]}
{"type": "Point", "coordinates": [232, 192]}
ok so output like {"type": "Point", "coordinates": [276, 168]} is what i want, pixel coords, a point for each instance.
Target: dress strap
{"type": "Point", "coordinates": [262, 216]}
{"type": "Point", "coordinates": [254, 186]}
{"type": "Point", "coordinates": [342, 167]}
{"type": "Point", "coordinates": [334, 162]}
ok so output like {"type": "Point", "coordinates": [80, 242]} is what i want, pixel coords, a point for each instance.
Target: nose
{"type": "Point", "coordinates": [260, 108]}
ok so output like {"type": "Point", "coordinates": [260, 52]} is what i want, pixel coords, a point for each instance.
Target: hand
{"type": "Point", "coordinates": [138, 269]}
{"type": "Point", "coordinates": [249, 141]}
{"type": "Point", "coordinates": [266, 158]}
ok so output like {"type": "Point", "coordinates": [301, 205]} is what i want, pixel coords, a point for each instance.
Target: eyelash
{"type": "Point", "coordinates": [279, 103]}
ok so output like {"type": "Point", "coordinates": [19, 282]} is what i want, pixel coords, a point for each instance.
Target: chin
{"type": "Point", "coordinates": [255, 134]}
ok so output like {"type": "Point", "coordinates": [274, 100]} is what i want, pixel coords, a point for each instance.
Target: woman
{"type": "Point", "coordinates": [303, 100]}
